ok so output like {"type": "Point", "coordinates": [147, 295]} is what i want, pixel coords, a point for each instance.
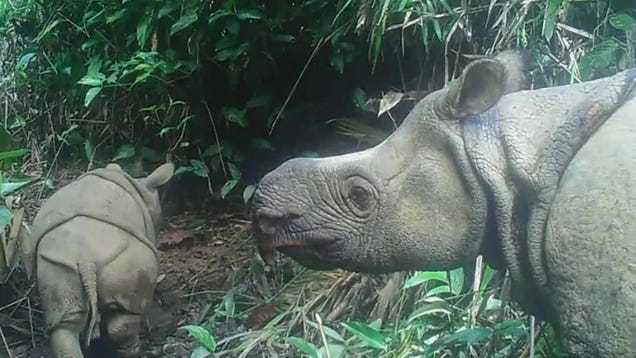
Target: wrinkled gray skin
{"type": "Point", "coordinates": [96, 262]}
{"type": "Point", "coordinates": [540, 182]}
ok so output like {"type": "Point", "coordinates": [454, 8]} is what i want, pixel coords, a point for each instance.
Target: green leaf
{"type": "Point", "coordinates": [219, 15]}
{"type": "Point", "coordinates": [359, 98]}
{"type": "Point", "coordinates": [260, 143]}
{"type": "Point", "coordinates": [202, 336]}
{"type": "Point", "coordinates": [425, 276]}
{"type": "Point", "coordinates": [515, 328]}
{"type": "Point", "coordinates": [89, 150]}
{"type": "Point", "coordinates": [306, 347]}
{"type": "Point", "coordinates": [24, 61]}
{"type": "Point", "coordinates": [13, 153]}
{"type": "Point", "coordinates": [200, 352]}
{"type": "Point", "coordinates": [253, 14]}
{"type": "Point", "coordinates": [486, 277]}
{"type": "Point", "coordinates": [603, 55]}
{"type": "Point", "coordinates": [468, 336]}
{"type": "Point", "coordinates": [92, 79]}
{"type": "Point", "coordinates": [47, 29]}
{"type": "Point", "coordinates": [212, 151]}
{"type": "Point", "coordinates": [144, 28]}
{"type": "Point", "coordinates": [169, 7]}
{"type": "Point", "coordinates": [227, 187]}
{"type": "Point", "coordinates": [5, 216]}
{"type": "Point", "coordinates": [329, 332]}
{"type": "Point", "coordinates": [248, 192]}
{"type": "Point", "coordinates": [235, 115]}
{"type": "Point", "coordinates": [258, 101]}
{"type": "Point", "coordinates": [89, 44]}
{"type": "Point", "coordinates": [457, 280]}
{"type": "Point", "coordinates": [91, 94]}
{"type": "Point", "coordinates": [622, 21]}
{"type": "Point", "coordinates": [227, 54]}
{"type": "Point", "coordinates": [7, 188]}
{"type": "Point", "coordinates": [337, 62]}
{"type": "Point", "coordinates": [235, 172]}
{"type": "Point", "coordinates": [200, 169]}
{"type": "Point", "coordinates": [549, 20]}
{"type": "Point", "coordinates": [432, 305]}
{"type": "Point", "coordinates": [165, 130]}
{"type": "Point", "coordinates": [183, 22]}
{"type": "Point", "coordinates": [437, 290]}
{"type": "Point", "coordinates": [282, 38]}
{"type": "Point", "coordinates": [124, 151]}
{"type": "Point", "coordinates": [366, 333]}
{"type": "Point", "coordinates": [116, 16]}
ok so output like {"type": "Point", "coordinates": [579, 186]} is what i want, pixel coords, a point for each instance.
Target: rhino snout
{"type": "Point", "coordinates": [281, 221]}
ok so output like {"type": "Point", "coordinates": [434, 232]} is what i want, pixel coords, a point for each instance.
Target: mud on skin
{"type": "Point", "coordinates": [484, 167]}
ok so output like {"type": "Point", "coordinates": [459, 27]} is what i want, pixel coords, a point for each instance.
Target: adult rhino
{"type": "Point", "coordinates": [541, 182]}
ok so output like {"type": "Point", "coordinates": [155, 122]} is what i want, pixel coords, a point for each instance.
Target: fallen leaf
{"type": "Point", "coordinates": [261, 315]}
{"type": "Point", "coordinates": [174, 238]}
{"type": "Point", "coordinates": [389, 100]}
{"type": "Point", "coordinates": [160, 278]}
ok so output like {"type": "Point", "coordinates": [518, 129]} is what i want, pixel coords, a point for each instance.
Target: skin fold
{"type": "Point", "coordinates": [487, 167]}
{"type": "Point", "coordinates": [96, 261]}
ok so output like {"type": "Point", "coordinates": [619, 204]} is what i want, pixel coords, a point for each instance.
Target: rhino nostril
{"type": "Point", "coordinates": [266, 220]}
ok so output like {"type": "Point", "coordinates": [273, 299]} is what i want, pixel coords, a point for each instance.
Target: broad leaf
{"type": "Point", "coordinates": [202, 336]}
{"type": "Point", "coordinates": [248, 192]}
{"type": "Point", "coordinates": [425, 276]}
{"type": "Point", "coordinates": [13, 153]}
{"type": "Point", "coordinates": [7, 188]}
{"type": "Point", "coordinates": [183, 22]}
{"type": "Point", "coordinates": [125, 151]}
{"type": "Point", "coordinates": [91, 94]}
{"type": "Point", "coordinates": [622, 21]}
{"type": "Point", "coordinates": [306, 347]}
{"type": "Point", "coordinates": [5, 216]}
{"type": "Point", "coordinates": [227, 187]}
{"type": "Point", "coordinates": [367, 334]}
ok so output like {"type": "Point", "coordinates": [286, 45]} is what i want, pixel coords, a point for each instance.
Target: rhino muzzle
{"type": "Point", "coordinates": [286, 222]}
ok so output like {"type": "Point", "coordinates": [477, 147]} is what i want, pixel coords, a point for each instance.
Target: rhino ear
{"type": "Point", "coordinates": [480, 87]}
{"type": "Point", "coordinates": [114, 166]}
{"type": "Point", "coordinates": [160, 176]}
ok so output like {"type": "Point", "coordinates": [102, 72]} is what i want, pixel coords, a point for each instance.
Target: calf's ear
{"type": "Point", "coordinates": [480, 87]}
{"type": "Point", "coordinates": [159, 176]}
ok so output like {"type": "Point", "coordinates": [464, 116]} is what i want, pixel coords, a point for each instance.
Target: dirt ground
{"type": "Point", "coordinates": [198, 253]}
{"type": "Point", "coordinates": [202, 244]}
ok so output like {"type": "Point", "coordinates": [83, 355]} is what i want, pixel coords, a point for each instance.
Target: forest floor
{"type": "Point", "coordinates": [201, 252]}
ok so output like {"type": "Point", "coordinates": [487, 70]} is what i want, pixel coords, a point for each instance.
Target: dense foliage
{"type": "Point", "coordinates": [231, 88]}
{"type": "Point", "coordinates": [227, 85]}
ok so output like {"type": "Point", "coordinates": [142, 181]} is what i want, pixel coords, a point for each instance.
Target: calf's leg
{"type": "Point", "coordinates": [65, 307]}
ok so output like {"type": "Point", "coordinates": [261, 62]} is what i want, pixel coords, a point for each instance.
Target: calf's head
{"type": "Point", "coordinates": [150, 187]}
{"type": "Point", "coordinates": [411, 202]}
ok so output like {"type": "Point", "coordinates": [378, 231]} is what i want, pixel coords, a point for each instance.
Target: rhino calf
{"type": "Point", "coordinates": [96, 261]}
{"type": "Point", "coordinates": [539, 182]}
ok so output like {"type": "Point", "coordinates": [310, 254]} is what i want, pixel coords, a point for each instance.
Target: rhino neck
{"type": "Point", "coordinates": [520, 149]}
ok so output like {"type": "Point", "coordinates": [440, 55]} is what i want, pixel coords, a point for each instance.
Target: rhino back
{"type": "Point", "coordinates": [590, 247]}
{"type": "Point", "coordinates": [93, 197]}
{"type": "Point", "coordinates": [83, 239]}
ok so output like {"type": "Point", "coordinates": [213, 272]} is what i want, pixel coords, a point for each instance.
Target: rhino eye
{"type": "Point", "coordinates": [360, 197]}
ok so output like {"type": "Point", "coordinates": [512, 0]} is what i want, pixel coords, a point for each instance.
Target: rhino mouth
{"type": "Point", "coordinates": [312, 252]}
